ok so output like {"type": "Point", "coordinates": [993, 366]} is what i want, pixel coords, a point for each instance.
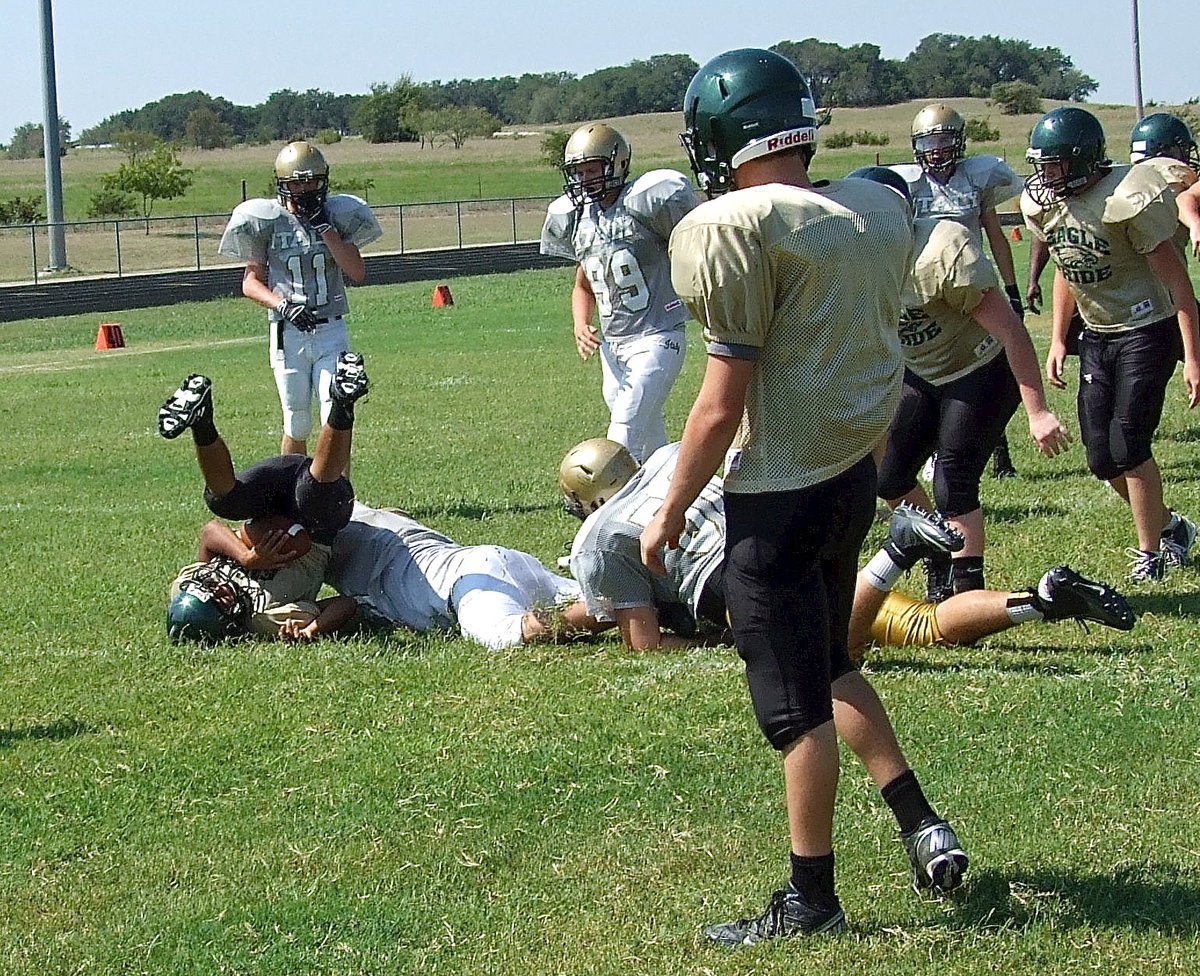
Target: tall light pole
{"type": "Point", "coordinates": [1137, 64]}
{"type": "Point", "coordinates": [50, 143]}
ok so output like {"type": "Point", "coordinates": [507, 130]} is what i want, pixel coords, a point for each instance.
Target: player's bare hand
{"type": "Point", "coordinates": [587, 340]}
{"type": "Point", "coordinates": [664, 530]}
{"type": "Point", "coordinates": [1033, 298]}
{"type": "Point", "coordinates": [269, 552]}
{"type": "Point", "coordinates": [298, 631]}
{"type": "Point", "coordinates": [1051, 436]}
{"type": "Point", "coordinates": [1191, 379]}
{"type": "Point", "coordinates": [1055, 361]}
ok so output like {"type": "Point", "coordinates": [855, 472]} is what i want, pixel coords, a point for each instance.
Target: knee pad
{"type": "Point", "coordinates": [297, 424]}
{"type": "Point", "coordinates": [955, 491]}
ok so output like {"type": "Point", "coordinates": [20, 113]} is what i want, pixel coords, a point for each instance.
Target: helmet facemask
{"type": "Point", "coordinates": [1056, 177]}
{"type": "Point", "coordinates": [939, 151]}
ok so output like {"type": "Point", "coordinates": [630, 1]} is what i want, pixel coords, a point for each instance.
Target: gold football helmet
{"type": "Point", "coordinates": [592, 472]}
{"type": "Point", "coordinates": [301, 162]}
{"type": "Point", "coordinates": [939, 139]}
{"type": "Point", "coordinates": [595, 142]}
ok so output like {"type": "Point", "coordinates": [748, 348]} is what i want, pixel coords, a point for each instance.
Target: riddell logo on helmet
{"type": "Point", "coordinates": [796, 137]}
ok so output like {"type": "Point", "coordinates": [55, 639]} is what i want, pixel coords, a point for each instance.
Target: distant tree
{"type": "Point", "coordinates": [205, 130]}
{"type": "Point", "coordinates": [379, 116]}
{"type": "Point", "coordinates": [327, 137]}
{"type": "Point", "coordinates": [27, 141]}
{"type": "Point", "coordinates": [554, 145]}
{"type": "Point", "coordinates": [135, 143]}
{"type": "Point", "coordinates": [111, 202]}
{"type": "Point", "coordinates": [981, 130]}
{"type": "Point", "coordinates": [21, 210]}
{"type": "Point", "coordinates": [459, 124]}
{"type": "Point", "coordinates": [1017, 98]}
{"type": "Point", "coordinates": [156, 175]}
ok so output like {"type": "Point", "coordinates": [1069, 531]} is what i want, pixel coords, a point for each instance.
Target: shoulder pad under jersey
{"type": "Point", "coordinates": [1138, 187]}
{"type": "Point", "coordinates": [353, 218]}
{"type": "Point", "coordinates": [558, 232]}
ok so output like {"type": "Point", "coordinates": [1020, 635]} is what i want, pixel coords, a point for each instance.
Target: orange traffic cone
{"type": "Point", "coordinates": [1016, 234]}
{"type": "Point", "coordinates": [442, 296]}
{"type": "Point", "coordinates": [109, 336]}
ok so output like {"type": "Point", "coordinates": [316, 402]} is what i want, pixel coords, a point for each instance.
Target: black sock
{"type": "Point", "coordinates": [967, 573]}
{"type": "Point", "coordinates": [204, 431]}
{"type": "Point", "coordinates": [907, 801]}
{"type": "Point", "coordinates": [341, 415]}
{"type": "Point", "coordinates": [812, 877]}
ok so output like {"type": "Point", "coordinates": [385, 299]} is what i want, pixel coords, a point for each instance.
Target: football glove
{"type": "Point", "coordinates": [1014, 299]}
{"type": "Point", "coordinates": [298, 315]}
{"type": "Point", "coordinates": [316, 218]}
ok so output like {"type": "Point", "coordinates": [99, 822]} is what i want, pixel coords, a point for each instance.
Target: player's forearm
{"type": "Point", "coordinates": [335, 611]}
{"type": "Point", "coordinates": [347, 256]}
{"type": "Point", "coordinates": [583, 305]}
{"type": "Point", "coordinates": [1039, 255]}
{"type": "Point", "coordinates": [1001, 250]}
{"type": "Point", "coordinates": [1062, 307]}
{"type": "Point", "coordinates": [218, 539]}
{"type": "Point", "coordinates": [254, 287]}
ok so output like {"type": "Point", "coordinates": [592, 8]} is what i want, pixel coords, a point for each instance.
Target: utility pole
{"type": "Point", "coordinates": [51, 146]}
{"type": "Point", "coordinates": [1137, 64]}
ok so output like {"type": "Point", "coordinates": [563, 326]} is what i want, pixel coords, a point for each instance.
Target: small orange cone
{"type": "Point", "coordinates": [109, 336]}
{"type": "Point", "coordinates": [1016, 234]}
{"type": "Point", "coordinates": [442, 296]}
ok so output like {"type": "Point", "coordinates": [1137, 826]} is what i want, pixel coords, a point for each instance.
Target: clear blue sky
{"type": "Point", "coordinates": [111, 57]}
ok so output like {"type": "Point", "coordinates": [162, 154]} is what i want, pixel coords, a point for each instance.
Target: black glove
{"type": "Point", "coordinates": [317, 217]}
{"type": "Point", "coordinates": [298, 315]}
{"type": "Point", "coordinates": [1014, 299]}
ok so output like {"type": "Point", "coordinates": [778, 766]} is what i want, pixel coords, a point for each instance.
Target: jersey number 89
{"type": "Point", "coordinates": [629, 284]}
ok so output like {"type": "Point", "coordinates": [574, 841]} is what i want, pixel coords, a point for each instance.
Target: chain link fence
{"type": "Point", "coordinates": [132, 245]}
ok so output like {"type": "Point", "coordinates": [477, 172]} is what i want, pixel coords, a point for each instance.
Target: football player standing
{"type": "Point", "coordinates": [1111, 232]}
{"type": "Point", "coordinates": [946, 182]}
{"type": "Point", "coordinates": [297, 248]}
{"type": "Point", "coordinates": [797, 287]}
{"type": "Point", "coordinates": [617, 231]}
{"type": "Point", "coordinates": [968, 363]}
{"type": "Point", "coordinates": [1165, 142]}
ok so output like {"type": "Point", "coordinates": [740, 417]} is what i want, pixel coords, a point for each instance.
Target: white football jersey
{"type": "Point", "coordinates": [299, 265]}
{"type": "Point", "coordinates": [606, 554]}
{"type": "Point", "coordinates": [623, 251]}
{"type": "Point", "coordinates": [979, 183]}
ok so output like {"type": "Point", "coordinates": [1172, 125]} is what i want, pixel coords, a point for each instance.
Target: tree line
{"type": "Point", "coordinates": [942, 65]}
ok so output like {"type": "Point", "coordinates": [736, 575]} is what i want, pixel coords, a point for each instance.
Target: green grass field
{"type": "Point", "coordinates": [402, 804]}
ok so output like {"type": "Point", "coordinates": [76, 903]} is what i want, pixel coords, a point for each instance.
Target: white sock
{"type": "Point", "coordinates": [882, 572]}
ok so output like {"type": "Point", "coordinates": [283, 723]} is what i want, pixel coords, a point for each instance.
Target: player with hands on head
{"type": "Point", "coordinates": [616, 230]}
{"type": "Point", "coordinates": [969, 362]}
{"type": "Point", "coordinates": [262, 583]}
{"type": "Point", "coordinates": [299, 248]}
{"type": "Point", "coordinates": [797, 286]}
{"type": "Point", "coordinates": [1111, 232]}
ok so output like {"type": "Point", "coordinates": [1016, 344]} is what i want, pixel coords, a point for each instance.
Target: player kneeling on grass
{"type": "Point", "coordinates": [602, 485]}
{"type": "Point", "coordinates": [412, 576]}
{"type": "Point", "coordinates": [261, 583]}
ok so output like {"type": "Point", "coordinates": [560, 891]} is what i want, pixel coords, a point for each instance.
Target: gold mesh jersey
{"type": "Point", "coordinates": [950, 274]}
{"type": "Point", "coordinates": [806, 282]}
{"type": "Point", "coordinates": [1099, 240]}
{"type": "Point", "coordinates": [1179, 176]}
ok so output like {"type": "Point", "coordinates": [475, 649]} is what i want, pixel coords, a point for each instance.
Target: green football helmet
{"type": "Point", "coordinates": [1163, 134]}
{"type": "Point", "coordinates": [209, 607]}
{"type": "Point", "coordinates": [1066, 149]}
{"type": "Point", "coordinates": [741, 105]}
{"type": "Point", "coordinates": [885, 175]}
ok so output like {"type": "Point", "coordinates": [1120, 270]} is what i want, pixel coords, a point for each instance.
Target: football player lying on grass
{"type": "Point", "coordinates": [602, 484]}
{"type": "Point", "coordinates": [264, 582]}
{"type": "Point", "coordinates": [411, 576]}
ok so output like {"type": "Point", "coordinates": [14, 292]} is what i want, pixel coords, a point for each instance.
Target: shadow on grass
{"type": "Point", "coordinates": [476, 512]}
{"type": "Point", "coordinates": [1154, 896]}
{"type": "Point", "coordinates": [1167, 604]}
{"type": "Point", "coordinates": [1019, 513]}
{"type": "Point", "coordinates": [63, 728]}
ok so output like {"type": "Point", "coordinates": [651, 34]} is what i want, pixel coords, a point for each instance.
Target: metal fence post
{"type": "Point", "coordinates": [458, 219]}
{"type": "Point", "coordinates": [400, 209]}
{"type": "Point", "coordinates": [33, 249]}
{"type": "Point", "coordinates": [196, 233]}
{"type": "Point", "coordinates": [513, 203]}
{"type": "Point", "coordinates": [117, 226]}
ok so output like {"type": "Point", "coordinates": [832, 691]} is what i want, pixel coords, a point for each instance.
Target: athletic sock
{"type": "Point", "coordinates": [204, 431]}
{"type": "Point", "coordinates": [812, 877]}
{"type": "Point", "coordinates": [967, 573]}
{"type": "Point", "coordinates": [907, 801]}
{"type": "Point", "coordinates": [1024, 607]}
{"type": "Point", "coordinates": [883, 571]}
